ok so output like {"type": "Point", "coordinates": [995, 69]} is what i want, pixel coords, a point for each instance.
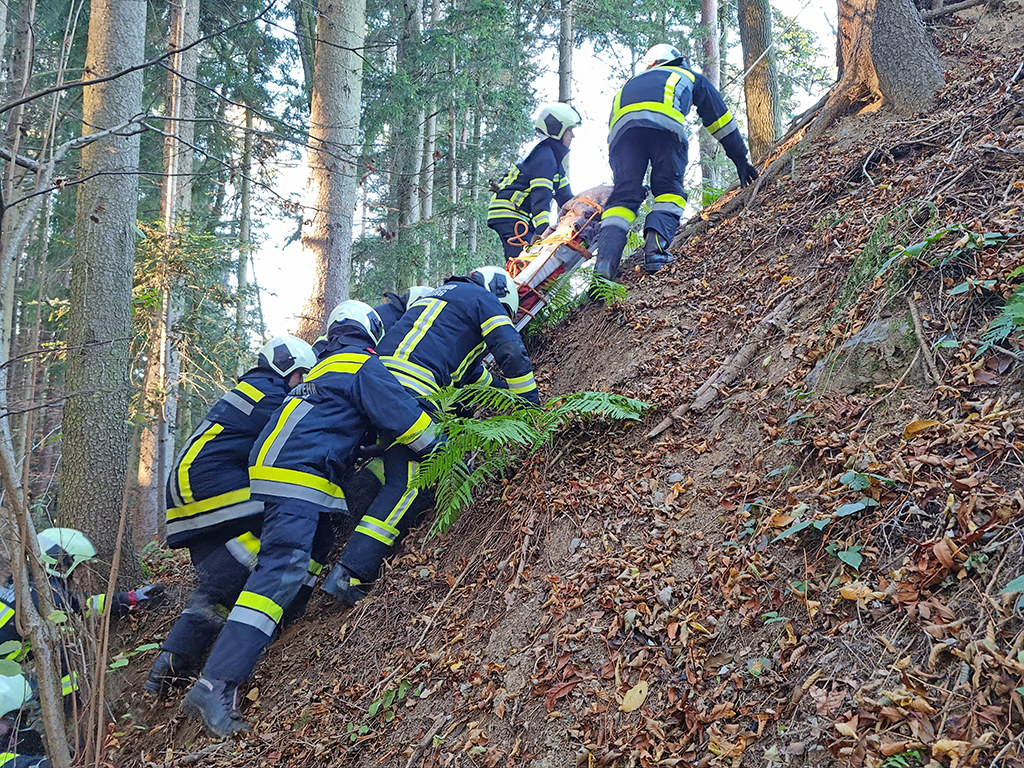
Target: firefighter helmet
{"type": "Point", "coordinates": [417, 292]}
{"type": "Point", "coordinates": [63, 549]}
{"type": "Point", "coordinates": [500, 283]}
{"type": "Point", "coordinates": [554, 119]}
{"type": "Point", "coordinates": [662, 53]}
{"type": "Point", "coordinates": [361, 314]}
{"type": "Point", "coordinates": [285, 355]}
{"type": "Point", "coordinates": [14, 692]}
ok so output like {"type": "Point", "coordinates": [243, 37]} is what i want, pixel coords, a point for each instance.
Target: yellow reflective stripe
{"type": "Point", "coordinates": [620, 212]}
{"type": "Point", "coordinates": [282, 419]}
{"type": "Point", "coordinates": [414, 384]}
{"type": "Point", "coordinates": [670, 89]}
{"type": "Point", "coordinates": [472, 357]}
{"type": "Point", "coordinates": [541, 219]}
{"type": "Point", "coordinates": [348, 362]}
{"type": "Point", "coordinates": [411, 492]}
{"type": "Point", "coordinates": [485, 379]}
{"type": "Point", "coordinates": [670, 198]}
{"type": "Point", "coordinates": [686, 72]}
{"type": "Point", "coordinates": [214, 502]}
{"type": "Point", "coordinates": [97, 603]}
{"type": "Point", "coordinates": [541, 182]}
{"type": "Point", "coordinates": [296, 477]}
{"type": "Point", "coordinates": [492, 323]}
{"type": "Point", "coordinates": [184, 485]}
{"type": "Point", "coordinates": [376, 467]}
{"type": "Point", "coordinates": [720, 122]}
{"type": "Point", "coordinates": [369, 526]}
{"type": "Point", "coordinates": [249, 391]}
{"type": "Point", "coordinates": [250, 542]}
{"type": "Point", "coordinates": [6, 757]}
{"type": "Point", "coordinates": [69, 684]}
{"type": "Point", "coordinates": [421, 425]}
{"type": "Point", "coordinates": [6, 614]}
{"type": "Point", "coordinates": [315, 568]}
{"type": "Point", "coordinates": [519, 384]}
{"type": "Point", "coordinates": [416, 370]}
{"type": "Point", "coordinates": [262, 604]}
{"type": "Point", "coordinates": [433, 308]}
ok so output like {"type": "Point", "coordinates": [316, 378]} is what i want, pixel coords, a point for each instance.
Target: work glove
{"type": "Point", "coordinates": [144, 597]}
{"type": "Point", "coordinates": [370, 451]}
{"type": "Point", "coordinates": [746, 172]}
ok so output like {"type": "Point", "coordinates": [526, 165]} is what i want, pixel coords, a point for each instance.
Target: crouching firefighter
{"type": "Point", "coordinates": [20, 747]}
{"type": "Point", "coordinates": [294, 470]}
{"type": "Point", "coordinates": [440, 341]}
{"type": "Point", "coordinates": [63, 550]}
{"type": "Point", "coordinates": [647, 128]}
{"type": "Point", "coordinates": [210, 510]}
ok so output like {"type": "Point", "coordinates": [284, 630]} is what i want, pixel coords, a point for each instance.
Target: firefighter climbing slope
{"type": "Point", "coordinates": [647, 128]}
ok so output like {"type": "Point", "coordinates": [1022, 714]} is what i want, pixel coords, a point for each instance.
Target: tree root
{"type": "Point", "coordinates": [939, 12]}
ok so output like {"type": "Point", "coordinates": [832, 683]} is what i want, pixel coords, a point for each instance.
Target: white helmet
{"type": "Point", "coordinates": [662, 53]}
{"type": "Point", "coordinates": [500, 283]}
{"type": "Point", "coordinates": [286, 354]}
{"type": "Point", "coordinates": [362, 314]}
{"type": "Point", "coordinates": [14, 692]}
{"type": "Point", "coordinates": [417, 292]}
{"type": "Point", "coordinates": [63, 549]}
{"type": "Point", "coordinates": [554, 119]}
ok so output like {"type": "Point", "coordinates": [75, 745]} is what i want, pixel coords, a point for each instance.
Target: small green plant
{"type": "Point", "coordinates": [608, 291]}
{"type": "Point", "coordinates": [773, 617]}
{"type": "Point", "coordinates": [122, 658]}
{"type": "Point", "coordinates": [851, 556]}
{"type": "Point", "coordinates": [384, 705]}
{"type": "Point", "coordinates": [907, 759]}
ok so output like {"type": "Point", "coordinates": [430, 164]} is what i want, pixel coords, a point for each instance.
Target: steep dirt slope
{"type": "Point", "coordinates": [794, 575]}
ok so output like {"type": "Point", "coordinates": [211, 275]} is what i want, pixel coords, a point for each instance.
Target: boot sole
{"type": "Point", "coordinates": [195, 712]}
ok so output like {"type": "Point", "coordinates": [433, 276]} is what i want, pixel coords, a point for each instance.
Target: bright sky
{"type": "Point", "coordinates": [285, 273]}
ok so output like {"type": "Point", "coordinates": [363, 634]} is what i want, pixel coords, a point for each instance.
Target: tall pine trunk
{"type": "Point", "coordinates": [333, 154]}
{"type": "Point", "coordinates": [710, 171]}
{"type": "Point", "coordinates": [761, 86]}
{"type": "Point", "coordinates": [429, 149]}
{"type": "Point", "coordinates": [244, 248]}
{"type": "Point", "coordinates": [156, 445]}
{"type": "Point", "coordinates": [95, 441]}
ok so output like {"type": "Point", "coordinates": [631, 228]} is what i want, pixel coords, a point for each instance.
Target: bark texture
{"type": "Point", "coordinates": [95, 453]}
{"type": "Point", "coordinates": [885, 58]}
{"type": "Point", "coordinates": [334, 152]}
{"type": "Point", "coordinates": [711, 61]}
{"type": "Point", "coordinates": [761, 86]}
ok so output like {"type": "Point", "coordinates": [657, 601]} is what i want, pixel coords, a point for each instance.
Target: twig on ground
{"type": "Point", "coordinates": [430, 622]}
{"type": "Point", "coordinates": [929, 361]}
{"type": "Point", "coordinates": [195, 757]}
{"type": "Point", "coordinates": [428, 738]}
{"type": "Point", "coordinates": [937, 12]}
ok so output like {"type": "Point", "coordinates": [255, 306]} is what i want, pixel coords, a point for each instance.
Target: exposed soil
{"type": "Point", "coordinates": [628, 601]}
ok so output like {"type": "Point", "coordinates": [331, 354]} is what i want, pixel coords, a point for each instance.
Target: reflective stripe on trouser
{"type": "Point", "coordinates": [221, 579]}
{"type": "Point", "coordinates": [286, 543]}
{"type": "Point", "coordinates": [506, 231]}
{"type": "Point", "coordinates": [632, 152]}
{"type": "Point", "coordinates": [388, 518]}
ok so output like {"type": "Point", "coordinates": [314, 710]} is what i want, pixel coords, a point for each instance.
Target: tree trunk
{"type": "Point", "coordinates": [429, 148]}
{"type": "Point", "coordinates": [885, 58]}
{"type": "Point", "coordinates": [761, 86]}
{"type": "Point", "coordinates": [95, 424]}
{"type": "Point", "coordinates": [244, 248]}
{"type": "Point", "coordinates": [453, 167]}
{"type": "Point", "coordinates": [305, 32]}
{"type": "Point", "coordinates": [333, 154]}
{"type": "Point", "coordinates": [710, 171]}
{"type": "Point", "coordinates": [472, 234]}
{"type": "Point", "coordinates": [565, 46]}
{"type": "Point", "coordinates": [156, 446]}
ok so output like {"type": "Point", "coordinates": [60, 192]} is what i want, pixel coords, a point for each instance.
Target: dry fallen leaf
{"type": "Point", "coordinates": [634, 698]}
{"type": "Point", "coordinates": [859, 591]}
{"type": "Point", "coordinates": [915, 428]}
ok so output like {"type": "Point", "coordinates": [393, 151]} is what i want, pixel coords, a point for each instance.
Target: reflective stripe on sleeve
{"type": "Point", "coordinates": [6, 614]}
{"type": "Point", "coordinates": [492, 323]}
{"type": "Point", "coordinates": [249, 391]}
{"type": "Point", "coordinates": [244, 549]}
{"type": "Point", "coordinates": [520, 384]}
{"type": "Point", "coordinates": [415, 432]}
{"type": "Point", "coordinates": [69, 684]}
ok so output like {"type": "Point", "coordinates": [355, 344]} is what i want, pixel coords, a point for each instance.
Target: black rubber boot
{"type": "Point", "coordinates": [611, 241]}
{"type": "Point", "coordinates": [169, 671]}
{"type": "Point", "coordinates": [215, 703]}
{"type": "Point", "coordinates": [656, 253]}
{"type": "Point", "coordinates": [347, 588]}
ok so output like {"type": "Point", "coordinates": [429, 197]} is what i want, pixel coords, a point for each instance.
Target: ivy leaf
{"type": "Point", "coordinates": [58, 617]}
{"type": "Point", "coordinates": [9, 668]}
{"type": "Point", "coordinates": [11, 646]}
{"type": "Point", "coordinates": [794, 528]}
{"type": "Point", "coordinates": [852, 557]}
{"type": "Point", "coordinates": [1017, 585]}
{"type": "Point", "coordinates": [117, 664]}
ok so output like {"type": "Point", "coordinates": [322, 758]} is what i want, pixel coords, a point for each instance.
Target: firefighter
{"type": "Point", "coordinates": [20, 747]}
{"type": "Point", "coordinates": [63, 550]}
{"type": "Point", "coordinates": [209, 509]}
{"type": "Point", "coordinates": [521, 208]}
{"type": "Point", "coordinates": [389, 311]}
{"type": "Point", "coordinates": [440, 341]}
{"type": "Point", "coordinates": [294, 469]}
{"type": "Point", "coordinates": [646, 127]}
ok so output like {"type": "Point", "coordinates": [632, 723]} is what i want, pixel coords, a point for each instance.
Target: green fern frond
{"type": "Point", "coordinates": [1002, 325]}
{"type": "Point", "coordinates": [608, 291]}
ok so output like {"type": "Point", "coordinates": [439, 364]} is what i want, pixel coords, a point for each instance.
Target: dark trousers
{"type": "Point", "coordinates": [290, 530]}
{"type": "Point", "coordinates": [389, 517]}
{"type": "Point", "coordinates": [666, 154]}
{"type": "Point", "coordinates": [222, 576]}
